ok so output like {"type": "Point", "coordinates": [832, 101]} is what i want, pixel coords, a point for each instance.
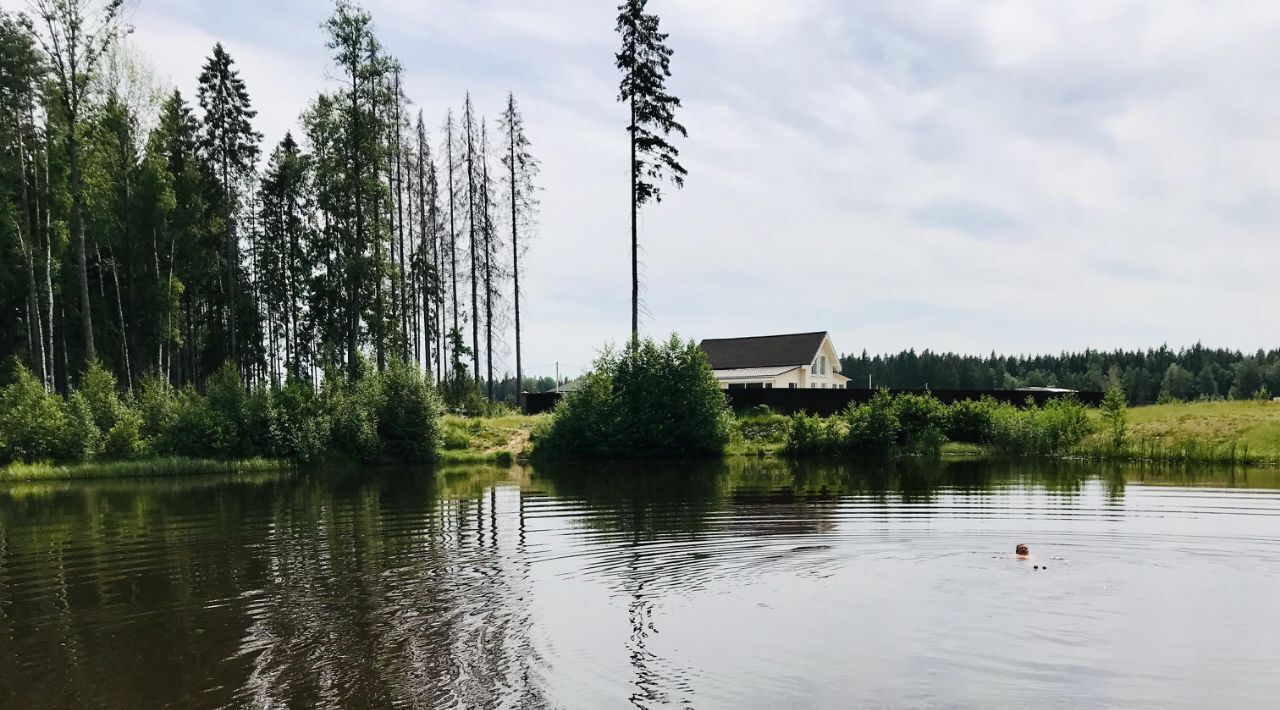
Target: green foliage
{"type": "Point", "coordinates": [810, 435]}
{"type": "Point", "coordinates": [1115, 416]}
{"type": "Point", "coordinates": [123, 441]}
{"type": "Point", "coordinates": [156, 403]}
{"type": "Point", "coordinates": [920, 425]}
{"type": "Point", "coordinates": [99, 389]}
{"type": "Point", "coordinates": [408, 415]}
{"type": "Point", "coordinates": [1055, 428]}
{"type": "Point", "coordinates": [651, 399]}
{"type": "Point", "coordinates": [970, 420]}
{"type": "Point", "coordinates": [300, 422]}
{"type": "Point", "coordinates": [1249, 379]}
{"type": "Point", "coordinates": [81, 438]}
{"type": "Point", "coordinates": [354, 432]}
{"type": "Point", "coordinates": [873, 428]}
{"type": "Point", "coordinates": [33, 423]}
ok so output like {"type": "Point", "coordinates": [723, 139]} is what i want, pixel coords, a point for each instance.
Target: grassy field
{"type": "Point", "coordinates": [1250, 425]}
{"type": "Point", "coordinates": [487, 440]}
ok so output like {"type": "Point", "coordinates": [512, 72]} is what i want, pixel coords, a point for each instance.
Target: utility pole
{"type": "Point", "coordinates": [557, 376]}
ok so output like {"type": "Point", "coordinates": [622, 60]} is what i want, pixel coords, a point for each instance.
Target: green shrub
{"type": "Point", "coordinates": [354, 428]}
{"type": "Point", "coordinates": [227, 402]}
{"type": "Point", "coordinates": [123, 441]}
{"type": "Point", "coordinates": [649, 400]}
{"type": "Point", "coordinates": [1040, 431]}
{"type": "Point", "coordinates": [810, 436]}
{"type": "Point", "coordinates": [156, 402]}
{"type": "Point", "coordinates": [763, 428]}
{"type": "Point", "coordinates": [33, 422]}
{"type": "Point", "coordinates": [758, 410]}
{"type": "Point", "coordinates": [872, 427]}
{"type": "Point", "coordinates": [408, 413]}
{"type": "Point", "coordinates": [922, 421]}
{"type": "Point", "coordinates": [970, 421]}
{"type": "Point", "coordinates": [81, 438]}
{"type": "Point", "coordinates": [197, 430]}
{"type": "Point", "coordinates": [301, 424]}
{"type": "Point", "coordinates": [1115, 415]}
{"type": "Point", "coordinates": [98, 386]}
{"type": "Point", "coordinates": [260, 425]}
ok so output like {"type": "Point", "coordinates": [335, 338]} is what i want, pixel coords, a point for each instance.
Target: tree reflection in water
{"type": "Point", "coordinates": [417, 587]}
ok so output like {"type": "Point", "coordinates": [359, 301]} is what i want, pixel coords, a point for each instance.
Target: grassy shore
{"type": "Point", "coordinates": [499, 440]}
{"type": "Point", "coordinates": [165, 466]}
{"type": "Point", "coordinates": [1244, 432]}
{"type": "Point", "coordinates": [1240, 432]}
{"type": "Point", "coordinates": [1237, 432]}
{"type": "Point", "coordinates": [493, 440]}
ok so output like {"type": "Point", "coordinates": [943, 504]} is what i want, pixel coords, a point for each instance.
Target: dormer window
{"type": "Point", "coordinates": [819, 366]}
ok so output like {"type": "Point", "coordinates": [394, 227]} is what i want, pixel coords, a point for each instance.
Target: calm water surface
{"type": "Point", "coordinates": [737, 585]}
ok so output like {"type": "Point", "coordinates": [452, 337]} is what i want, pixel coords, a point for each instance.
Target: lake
{"type": "Point", "coordinates": [746, 584]}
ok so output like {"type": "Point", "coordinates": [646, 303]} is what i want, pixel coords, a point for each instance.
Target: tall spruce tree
{"type": "Point", "coordinates": [365, 67]}
{"type": "Point", "coordinates": [471, 155]}
{"type": "Point", "coordinates": [21, 72]}
{"type": "Point", "coordinates": [451, 237]}
{"type": "Point", "coordinates": [645, 62]}
{"type": "Point", "coordinates": [231, 146]}
{"type": "Point", "coordinates": [522, 170]}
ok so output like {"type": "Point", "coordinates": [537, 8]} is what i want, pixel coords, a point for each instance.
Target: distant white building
{"type": "Point", "coordinates": [795, 361]}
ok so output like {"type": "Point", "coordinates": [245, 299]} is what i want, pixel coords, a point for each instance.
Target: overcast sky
{"type": "Point", "coordinates": [1014, 176]}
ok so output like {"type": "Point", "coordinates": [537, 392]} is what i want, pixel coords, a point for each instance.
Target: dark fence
{"type": "Point", "coordinates": [827, 402]}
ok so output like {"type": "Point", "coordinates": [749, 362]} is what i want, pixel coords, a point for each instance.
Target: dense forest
{"type": "Point", "coordinates": [154, 233]}
{"type": "Point", "coordinates": [1145, 376]}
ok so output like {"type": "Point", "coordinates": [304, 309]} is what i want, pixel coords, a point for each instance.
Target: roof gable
{"type": "Point", "coordinates": [762, 351]}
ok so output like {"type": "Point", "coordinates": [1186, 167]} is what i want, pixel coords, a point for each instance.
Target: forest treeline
{"type": "Point", "coordinates": [1145, 376]}
{"type": "Point", "coordinates": [154, 232]}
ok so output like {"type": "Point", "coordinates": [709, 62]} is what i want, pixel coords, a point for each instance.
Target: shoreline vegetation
{"type": "Point", "coordinates": [649, 400]}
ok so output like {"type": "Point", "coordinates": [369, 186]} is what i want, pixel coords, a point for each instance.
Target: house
{"type": "Point", "coordinates": [795, 361]}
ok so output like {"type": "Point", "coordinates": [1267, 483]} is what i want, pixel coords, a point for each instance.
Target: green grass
{"type": "Point", "coordinates": [487, 439]}
{"type": "Point", "coordinates": [1240, 431]}
{"type": "Point", "coordinates": [174, 466]}
{"type": "Point", "coordinates": [758, 435]}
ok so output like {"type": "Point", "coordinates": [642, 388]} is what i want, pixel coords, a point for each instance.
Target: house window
{"type": "Point", "coordinates": [819, 366]}
{"type": "Point", "coordinates": [768, 385]}
{"type": "Point", "coordinates": [755, 385]}
{"type": "Point", "coordinates": [792, 385]}
{"type": "Point", "coordinates": [736, 385]}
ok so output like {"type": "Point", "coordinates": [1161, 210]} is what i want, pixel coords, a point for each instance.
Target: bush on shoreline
{"type": "Point", "coordinates": [392, 416]}
{"type": "Point", "coordinates": [912, 424]}
{"type": "Point", "coordinates": [649, 400]}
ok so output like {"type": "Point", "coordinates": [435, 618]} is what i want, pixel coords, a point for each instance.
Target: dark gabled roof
{"type": "Point", "coordinates": [762, 350]}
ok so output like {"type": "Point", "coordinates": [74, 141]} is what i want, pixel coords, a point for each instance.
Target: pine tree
{"type": "Point", "coordinates": [231, 145]}
{"type": "Point", "coordinates": [522, 169]}
{"type": "Point", "coordinates": [645, 62]}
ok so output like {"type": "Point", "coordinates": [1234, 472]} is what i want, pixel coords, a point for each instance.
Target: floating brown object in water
{"type": "Point", "coordinates": [1022, 551]}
